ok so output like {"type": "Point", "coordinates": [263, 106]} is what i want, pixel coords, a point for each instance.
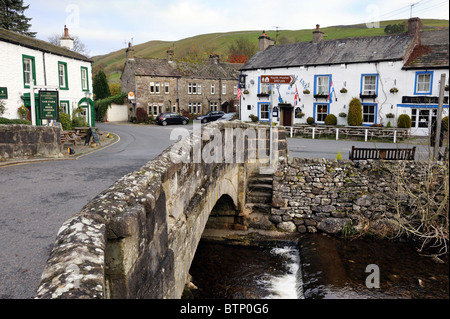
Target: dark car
{"type": "Point", "coordinates": [171, 118]}
{"type": "Point", "coordinates": [210, 117]}
{"type": "Point", "coordinates": [228, 117]}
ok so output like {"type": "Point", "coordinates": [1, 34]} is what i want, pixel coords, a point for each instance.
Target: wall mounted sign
{"type": "Point", "coordinates": [49, 105]}
{"type": "Point", "coordinates": [3, 93]}
{"type": "Point", "coordinates": [277, 79]}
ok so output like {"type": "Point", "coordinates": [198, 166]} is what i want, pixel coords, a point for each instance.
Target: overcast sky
{"type": "Point", "coordinates": [106, 25]}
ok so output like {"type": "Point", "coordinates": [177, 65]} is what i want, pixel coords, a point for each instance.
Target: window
{"type": "Point", "coordinates": [264, 88]}
{"type": "Point", "coordinates": [369, 113]}
{"type": "Point", "coordinates": [421, 118]}
{"type": "Point", "coordinates": [264, 111]}
{"type": "Point", "coordinates": [84, 79]}
{"type": "Point", "coordinates": [29, 70]}
{"type": "Point", "coordinates": [157, 88]}
{"type": "Point", "coordinates": [322, 85]}
{"type": "Point", "coordinates": [199, 88]}
{"type": "Point", "coordinates": [64, 105]}
{"type": "Point", "coordinates": [62, 76]}
{"type": "Point", "coordinates": [213, 106]}
{"type": "Point", "coordinates": [321, 112]}
{"type": "Point", "coordinates": [235, 90]}
{"type": "Point", "coordinates": [423, 83]}
{"type": "Point", "coordinates": [213, 89]}
{"type": "Point", "coordinates": [369, 84]}
{"type": "Point", "coordinates": [152, 87]}
{"type": "Point", "coordinates": [166, 88]}
{"type": "Point", "coordinates": [224, 89]}
{"type": "Point", "coordinates": [194, 88]}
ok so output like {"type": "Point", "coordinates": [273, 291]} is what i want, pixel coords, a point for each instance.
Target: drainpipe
{"type": "Point", "coordinates": [45, 72]}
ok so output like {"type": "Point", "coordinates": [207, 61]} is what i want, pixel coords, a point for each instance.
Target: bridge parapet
{"type": "Point", "coordinates": [137, 239]}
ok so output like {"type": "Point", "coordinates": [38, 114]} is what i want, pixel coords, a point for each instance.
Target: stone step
{"type": "Point", "coordinates": [261, 180]}
{"type": "Point", "coordinates": [263, 208]}
{"type": "Point", "coordinates": [258, 197]}
{"type": "Point", "coordinates": [260, 188]}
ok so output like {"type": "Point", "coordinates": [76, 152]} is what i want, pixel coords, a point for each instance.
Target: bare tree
{"type": "Point", "coordinates": [78, 46]}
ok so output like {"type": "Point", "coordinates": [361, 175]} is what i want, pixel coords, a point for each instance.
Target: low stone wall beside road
{"type": "Point", "coordinates": [25, 141]}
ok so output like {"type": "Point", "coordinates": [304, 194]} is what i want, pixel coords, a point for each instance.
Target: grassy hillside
{"type": "Point", "coordinates": [218, 43]}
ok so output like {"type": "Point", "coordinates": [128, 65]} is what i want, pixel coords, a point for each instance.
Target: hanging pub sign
{"type": "Point", "coordinates": [275, 112]}
{"type": "Point", "coordinates": [242, 81]}
{"type": "Point", "coordinates": [49, 105]}
{"type": "Point", "coordinates": [3, 93]}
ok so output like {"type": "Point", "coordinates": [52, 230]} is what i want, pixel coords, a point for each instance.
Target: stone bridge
{"type": "Point", "coordinates": [138, 238]}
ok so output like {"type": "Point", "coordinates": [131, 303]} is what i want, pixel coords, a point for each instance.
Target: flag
{"type": "Point", "coordinates": [239, 94]}
{"type": "Point", "coordinates": [330, 97]}
{"type": "Point", "coordinates": [296, 96]}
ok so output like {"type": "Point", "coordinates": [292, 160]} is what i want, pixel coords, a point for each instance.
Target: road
{"type": "Point", "coordinates": [36, 199]}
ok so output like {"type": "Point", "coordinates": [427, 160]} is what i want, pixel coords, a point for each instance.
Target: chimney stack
{"type": "Point", "coordinates": [130, 52]}
{"type": "Point", "coordinates": [66, 41]}
{"type": "Point", "coordinates": [265, 42]}
{"type": "Point", "coordinates": [415, 27]}
{"type": "Point", "coordinates": [214, 59]}
{"type": "Point", "coordinates": [170, 55]}
{"type": "Point", "coordinates": [317, 35]}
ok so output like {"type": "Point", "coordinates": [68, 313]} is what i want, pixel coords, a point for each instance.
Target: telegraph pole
{"type": "Point", "coordinates": [439, 119]}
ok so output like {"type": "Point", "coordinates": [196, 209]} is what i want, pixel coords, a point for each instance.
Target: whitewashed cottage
{"type": "Point", "coordinates": [391, 75]}
{"type": "Point", "coordinates": [27, 63]}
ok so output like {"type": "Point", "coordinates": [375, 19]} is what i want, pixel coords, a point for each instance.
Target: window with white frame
{"type": "Point", "coordinates": [213, 88]}
{"type": "Point", "coordinates": [264, 111]}
{"type": "Point", "coordinates": [235, 92]}
{"type": "Point", "coordinates": [321, 112]}
{"type": "Point", "coordinates": [28, 70]}
{"type": "Point", "coordinates": [213, 106]}
{"type": "Point", "coordinates": [323, 84]}
{"type": "Point", "coordinates": [369, 113]}
{"type": "Point", "coordinates": [369, 84]}
{"type": "Point", "coordinates": [264, 88]}
{"type": "Point", "coordinates": [84, 79]}
{"type": "Point", "coordinates": [152, 87]}
{"type": "Point", "coordinates": [224, 89]}
{"type": "Point", "coordinates": [62, 74]}
{"type": "Point", "coordinates": [64, 105]}
{"type": "Point", "coordinates": [423, 82]}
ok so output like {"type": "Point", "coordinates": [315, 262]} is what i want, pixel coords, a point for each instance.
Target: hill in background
{"type": "Point", "coordinates": [203, 45]}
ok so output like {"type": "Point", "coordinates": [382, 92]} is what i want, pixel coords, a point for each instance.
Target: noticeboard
{"type": "Point", "coordinates": [49, 105]}
{"type": "Point", "coordinates": [3, 93]}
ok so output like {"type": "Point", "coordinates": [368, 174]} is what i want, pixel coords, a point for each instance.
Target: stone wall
{"type": "Point", "coordinates": [25, 141]}
{"type": "Point", "coordinates": [332, 196]}
{"type": "Point", "coordinates": [138, 238]}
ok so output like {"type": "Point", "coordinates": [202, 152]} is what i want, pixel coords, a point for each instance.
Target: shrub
{"type": "Point", "coordinates": [355, 117]}
{"type": "Point", "coordinates": [331, 119]}
{"type": "Point", "coordinates": [310, 120]}
{"type": "Point", "coordinates": [445, 123]}
{"type": "Point", "coordinates": [6, 121]}
{"type": "Point", "coordinates": [404, 121]}
{"type": "Point", "coordinates": [65, 121]}
{"type": "Point", "coordinates": [254, 118]}
{"type": "Point", "coordinates": [141, 115]}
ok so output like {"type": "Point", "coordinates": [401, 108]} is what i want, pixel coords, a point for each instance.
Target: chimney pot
{"type": "Point", "coordinates": [66, 32]}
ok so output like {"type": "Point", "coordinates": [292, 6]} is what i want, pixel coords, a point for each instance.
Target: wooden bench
{"type": "Point", "coordinates": [394, 154]}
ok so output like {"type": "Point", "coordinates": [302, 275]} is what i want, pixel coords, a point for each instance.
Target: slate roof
{"type": "Point", "coordinates": [351, 50]}
{"type": "Point", "coordinates": [32, 43]}
{"type": "Point", "coordinates": [207, 70]}
{"type": "Point", "coordinates": [433, 53]}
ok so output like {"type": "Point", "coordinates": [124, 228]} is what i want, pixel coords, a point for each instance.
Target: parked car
{"type": "Point", "coordinates": [171, 118]}
{"type": "Point", "coordinates": [210, 117]}
{"type": "Point", "coordinates": [228, 117]}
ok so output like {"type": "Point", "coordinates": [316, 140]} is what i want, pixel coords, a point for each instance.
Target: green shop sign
{"type": "Point", "coordinates": [49, 105]}
{"type": "Point", "coordinates": [3, 93]}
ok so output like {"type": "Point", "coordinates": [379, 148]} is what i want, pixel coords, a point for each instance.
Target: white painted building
{"type": "Point", "coordinates": [336, 71]}
{"type": "Point", "coordinates": [27, 62]}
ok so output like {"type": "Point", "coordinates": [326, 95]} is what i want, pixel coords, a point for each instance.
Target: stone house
{"type": "Point", "coordinates": [166, 85]}
{"type": "Point", "coordinates": [391, 75]}
{"type": "Point", "coordinates": [27, 63]}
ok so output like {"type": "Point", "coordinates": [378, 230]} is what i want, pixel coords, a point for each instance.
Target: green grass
{"type": "Point", "coordinates": [218, 43]}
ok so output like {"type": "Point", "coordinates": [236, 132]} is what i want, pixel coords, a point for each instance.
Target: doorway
{"type": "Point", "coordinates": [286, 115]}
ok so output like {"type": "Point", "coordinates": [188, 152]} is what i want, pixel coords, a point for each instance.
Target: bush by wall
{"type": "Point", "coordinates": [331, 119]}
{"type": "Point", "coordinates": [404, 121]}
{"type": "Point", "coordinates": [141, 115]}
{"type": "Point", "coordinates": [310, 120]}
{"type": "Point", "coordinates": [6, 121]}
{"type": "Point", "coordinates": [355, 117]}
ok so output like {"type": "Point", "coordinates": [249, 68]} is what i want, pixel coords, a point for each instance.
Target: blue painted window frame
{"type": "Point", "coordinates": [362, 82]}
{"type": "Point", "coordinates": [376, 114]}
{"type": "Point", "coordinates": [259, 86]}
{"type": "Point", "coordinates": [259, 112]}
{"type": "Point", "coordinates": [316, 78]}
{"type": "Point", "coordinates": [315, 112]}
{"type": "Point", "coordinates": [431, 82]}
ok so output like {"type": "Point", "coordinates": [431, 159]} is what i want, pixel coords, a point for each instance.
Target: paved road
{"type": "Point", "coordinates": [36, 199]}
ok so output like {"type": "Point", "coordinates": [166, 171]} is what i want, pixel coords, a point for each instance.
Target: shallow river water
{"type": "Point", "coordinates": [317, 267]}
